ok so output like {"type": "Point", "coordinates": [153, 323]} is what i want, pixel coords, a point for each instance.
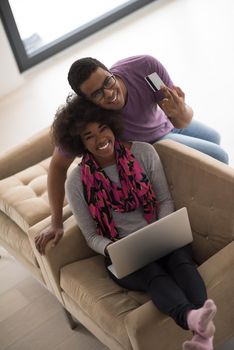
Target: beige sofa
{"type": "Point", "coordinates": [75, 275]}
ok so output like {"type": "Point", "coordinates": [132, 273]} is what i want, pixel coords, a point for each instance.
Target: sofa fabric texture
{"type": "Point", "coordinates": [76, 275]}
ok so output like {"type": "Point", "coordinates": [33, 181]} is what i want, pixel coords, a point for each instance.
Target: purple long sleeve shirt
{"type": "Point", "coordinates": [143, 118]}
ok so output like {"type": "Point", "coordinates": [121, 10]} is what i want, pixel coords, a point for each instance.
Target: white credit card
{"type": "Point", "coordinates": [154, 81]}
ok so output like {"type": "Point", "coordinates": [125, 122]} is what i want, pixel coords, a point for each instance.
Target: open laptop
{"type": "Point", "coordinates": [150, 243]}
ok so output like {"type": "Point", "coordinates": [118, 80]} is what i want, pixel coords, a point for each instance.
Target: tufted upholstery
{"type": "Point", "coordinates": [121, 319]}
{"type": "Point", "coordinates": [23, 196]}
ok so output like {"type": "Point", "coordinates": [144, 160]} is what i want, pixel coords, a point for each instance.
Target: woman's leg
{"type": "Point", "coordinates": [162, 288]}
{"type": "Point", "coordinates": [201, 138]}
{"type": "Point", "coordinates": [182, 268]}
{"type": "Point", "coordinates": [200, 319]}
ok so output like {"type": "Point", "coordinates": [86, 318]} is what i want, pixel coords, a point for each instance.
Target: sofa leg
{"type": "Point", "coordinates": [70, 319]}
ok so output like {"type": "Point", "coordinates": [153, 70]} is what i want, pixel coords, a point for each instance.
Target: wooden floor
{"type": "Point", "coordinates": [32, 318]}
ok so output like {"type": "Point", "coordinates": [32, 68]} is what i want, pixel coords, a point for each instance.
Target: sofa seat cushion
{"type": "Point", "coordinates": [23, 196]}
{"type": "Point", "coordinates": [89, 285]}
{"type": "Point", "coordinates": [12, 236]}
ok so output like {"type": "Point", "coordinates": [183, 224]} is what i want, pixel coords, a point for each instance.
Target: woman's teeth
{"type": "Point", "coordinates": [104, 147]}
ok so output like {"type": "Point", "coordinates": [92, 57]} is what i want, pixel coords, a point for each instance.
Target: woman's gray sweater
{"type": "Point", "coordinates": [126, 223]}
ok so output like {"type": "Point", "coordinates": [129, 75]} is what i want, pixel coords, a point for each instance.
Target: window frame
{"type": "Point", "coordinates": [24, 61]}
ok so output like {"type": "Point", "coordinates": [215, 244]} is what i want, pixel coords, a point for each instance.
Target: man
{"type": "Point", "coordinates": [148, 116]}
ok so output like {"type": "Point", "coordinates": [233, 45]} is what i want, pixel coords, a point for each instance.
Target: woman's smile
{"type": "Point", "coordinates": [104, 146]}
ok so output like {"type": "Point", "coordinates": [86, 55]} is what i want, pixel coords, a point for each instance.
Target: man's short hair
{"type": "Point", "coordinates": [81, 70]}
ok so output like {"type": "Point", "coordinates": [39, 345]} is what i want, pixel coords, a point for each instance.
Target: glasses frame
{"type": "Point", "coordinates": [98, 95]}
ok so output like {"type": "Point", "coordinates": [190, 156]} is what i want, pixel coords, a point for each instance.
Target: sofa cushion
{"type": "Point", "coordinates": [89, 285]}
{"type": "Point", "coordinates": [23, 196]}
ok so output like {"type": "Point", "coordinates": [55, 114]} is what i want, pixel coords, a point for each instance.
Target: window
{"type": "Point", "coordinates": [39, 29]}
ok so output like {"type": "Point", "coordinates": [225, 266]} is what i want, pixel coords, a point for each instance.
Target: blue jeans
{"type": "Point", "coordinates": [201, 138]}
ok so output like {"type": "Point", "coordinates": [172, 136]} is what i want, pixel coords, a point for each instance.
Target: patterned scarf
{"type": "Point", "coordinates": [103, 196]}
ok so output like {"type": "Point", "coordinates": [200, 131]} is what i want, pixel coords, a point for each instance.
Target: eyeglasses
{"type": "Point", "coordinates": [98, 95]}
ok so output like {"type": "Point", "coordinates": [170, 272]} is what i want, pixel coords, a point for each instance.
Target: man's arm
{"type": "Point", "coordinates": [56, 179]}
{"type": "Point", "coordinates": [174, 106]}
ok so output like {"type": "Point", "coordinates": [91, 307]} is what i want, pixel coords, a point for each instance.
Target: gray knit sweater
{"type": "Point", "coordinates": [126, 223]}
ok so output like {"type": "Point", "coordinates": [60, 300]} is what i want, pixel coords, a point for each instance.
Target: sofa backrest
{"type": "Point", "coordinates": [206, 187]}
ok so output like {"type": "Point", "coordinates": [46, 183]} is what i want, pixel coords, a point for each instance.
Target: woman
{"type": "Point", "coordinates": [118, 188]}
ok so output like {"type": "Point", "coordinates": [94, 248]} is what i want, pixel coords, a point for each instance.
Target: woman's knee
{"type": "Point", "coordinates": [179, 257]}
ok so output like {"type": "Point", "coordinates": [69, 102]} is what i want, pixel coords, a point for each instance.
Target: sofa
{"type": "Point", "coordinates": [75, 275]}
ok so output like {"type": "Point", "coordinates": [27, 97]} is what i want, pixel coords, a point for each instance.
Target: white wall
{"type": "Point", "coordinates": [9, 73]}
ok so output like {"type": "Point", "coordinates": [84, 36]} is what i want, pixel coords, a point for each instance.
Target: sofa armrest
{"type": "Point", "coordinates": [27, 153]}
{"type": "Point", "coordinates": [206, 187]}
{"type": "Point", "coordinates": [72, 247]}
{"type": "Point", "coordinates": [149, 329]}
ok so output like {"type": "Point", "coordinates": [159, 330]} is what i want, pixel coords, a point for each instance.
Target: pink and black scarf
{"type": "Point", "coordinates": [103, 196]}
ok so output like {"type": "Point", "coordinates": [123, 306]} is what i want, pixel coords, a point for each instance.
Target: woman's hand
{"type": "Point", "coordinates": [106, 251]}
{"type": "Point", "coordinates": [175, 108]}
{"type": "Point", "coordinates": [51, 233]}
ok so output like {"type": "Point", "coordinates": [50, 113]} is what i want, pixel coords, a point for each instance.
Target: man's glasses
{"type": "Point", "coordinates": [98, 95]}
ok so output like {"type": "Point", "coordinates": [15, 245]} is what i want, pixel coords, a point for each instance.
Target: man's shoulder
{"type": "Point", "coordinates": [134, 62]}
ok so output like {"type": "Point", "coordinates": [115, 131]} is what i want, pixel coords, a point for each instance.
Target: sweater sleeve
{"type": "Point", "coordinates": [78, 205]}
{"type": "Point", "coordinates": [149, 159]}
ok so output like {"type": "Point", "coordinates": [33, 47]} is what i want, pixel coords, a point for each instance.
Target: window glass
{"type": "Point", "coordinates": [38, 29]}
{"type": "Point", "coordinates": [42, 22]}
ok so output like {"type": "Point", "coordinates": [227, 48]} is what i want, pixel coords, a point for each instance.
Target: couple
{"type": "Point", "coordinates": [110, 167]}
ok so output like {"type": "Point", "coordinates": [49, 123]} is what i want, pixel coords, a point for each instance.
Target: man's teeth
{"type": "Point", "coordinates": [105, 146]}
{"type": "Point", "coordinates": [114, 98]}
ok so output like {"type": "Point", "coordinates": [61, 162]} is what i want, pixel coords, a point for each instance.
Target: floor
{"type": "Point", "coordinates": [31, 317]}
{"type": "Point", "coordinates": [192, 38]}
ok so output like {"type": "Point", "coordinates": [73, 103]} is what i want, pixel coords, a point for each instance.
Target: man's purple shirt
{"type": "Point", "coordinates": [143, 118]}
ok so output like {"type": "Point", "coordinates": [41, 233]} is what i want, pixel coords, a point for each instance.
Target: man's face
{"type": "Point", "coordinates": [105, 90]}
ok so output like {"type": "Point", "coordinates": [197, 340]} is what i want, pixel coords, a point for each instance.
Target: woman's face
{"type": "Point", "coordinates": [99, 140]}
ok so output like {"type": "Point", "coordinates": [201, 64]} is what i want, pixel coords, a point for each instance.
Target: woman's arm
{"type": "Point", "coordinates": [56, 179]}
{"type": "Point", "coordinates": [74, 193]}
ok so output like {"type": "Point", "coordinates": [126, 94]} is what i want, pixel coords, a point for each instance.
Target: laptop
{"type": "Point", "coordinates": [150, 243]}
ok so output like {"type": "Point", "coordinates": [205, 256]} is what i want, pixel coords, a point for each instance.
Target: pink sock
{"type": "Point", "coordinates": [198, 343]}
{"type": "Point", "coordinates": [200, 320]}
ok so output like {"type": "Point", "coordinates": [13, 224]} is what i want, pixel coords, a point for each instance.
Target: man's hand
{"type": "Point", "coordinates": [47, 235]}
{"type": "Point", "coordinates": [175, 108]}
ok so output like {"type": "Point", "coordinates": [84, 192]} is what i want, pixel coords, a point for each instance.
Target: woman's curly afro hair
{"type": "Point", "coordinates": [71, 119]}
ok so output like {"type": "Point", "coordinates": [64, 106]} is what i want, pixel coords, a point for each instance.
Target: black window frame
{"type": "Point", "coordinates": [25, 61]}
